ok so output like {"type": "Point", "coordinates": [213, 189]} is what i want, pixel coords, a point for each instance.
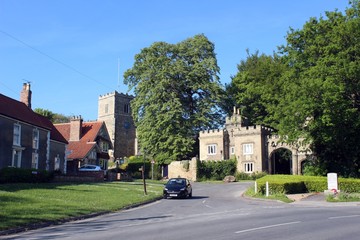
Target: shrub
{"type": "Point", "coordinates": [216, 170]}
{"type": "Point", "coordinates": [290, 184]}
{"type": "Point", "coordinates": [21, 175]}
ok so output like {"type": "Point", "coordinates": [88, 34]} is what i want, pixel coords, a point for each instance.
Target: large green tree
{"type": "Point", "coordinates": [324, 83]}
{"type": "Point", "coordinates": [310, 89]}
{"type": "Point", "coordinates": [177, 94]}
{"type": "Point", "coordinates": [255, 88]}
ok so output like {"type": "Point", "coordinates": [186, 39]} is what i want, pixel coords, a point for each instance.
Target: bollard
{"type": "Point", "coordinates": [267, 189]}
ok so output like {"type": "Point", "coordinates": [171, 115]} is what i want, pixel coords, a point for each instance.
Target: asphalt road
{"type": "Point", "coordinates": [216, 211]}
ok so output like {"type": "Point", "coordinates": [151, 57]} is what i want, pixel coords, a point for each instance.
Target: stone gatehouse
{"type": "Point", "coordinates": [254, 147]}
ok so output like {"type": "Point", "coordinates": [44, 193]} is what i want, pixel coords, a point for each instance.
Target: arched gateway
{"type": "Point", "coordinates": [255, 148]}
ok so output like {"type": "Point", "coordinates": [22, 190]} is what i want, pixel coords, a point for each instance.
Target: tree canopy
{"type": "Point", "coordinates": [311, 88]}
{"type": "Point", "coordinates": [53, 117]}
{"type": "Point", "coordinates": [178, 93]}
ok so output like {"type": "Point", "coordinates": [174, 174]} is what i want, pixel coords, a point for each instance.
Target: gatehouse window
{"type": "Point", "coordinates": [249, 167]}
{"type": "Point", "coordinates": [211, 149]}
{"type": "Point", "coordinates": [232, 150]}
{"type": "Point", "coordinates": [248, 149]}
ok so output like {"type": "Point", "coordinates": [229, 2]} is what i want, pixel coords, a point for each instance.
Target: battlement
{"type": "Point", "coordinates": [111, 94]}
{"type": "Point", "coordinates": [212, 132]}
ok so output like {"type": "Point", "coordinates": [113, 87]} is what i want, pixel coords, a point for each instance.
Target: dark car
{"type": "Point", "coordinates": [178, 188]}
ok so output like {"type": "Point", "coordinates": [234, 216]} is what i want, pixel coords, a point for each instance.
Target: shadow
{"type": "Point", "coordinates": [192, 198]}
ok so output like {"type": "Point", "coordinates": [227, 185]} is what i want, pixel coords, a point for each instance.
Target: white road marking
{"type": "Point", "coordinates": [270, 226]}
{"type": "Point", "coordinates": [349, 216]}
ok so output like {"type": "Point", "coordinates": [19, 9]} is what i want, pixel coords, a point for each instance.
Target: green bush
{"type": "Point", "coordinates": [21, 175]}
{"type": "Point", "coordinates": [290, 184]}
{"type": "Point", "coordinates": [349, 185]}
{"type": "Point", "coordinates": [134, 163]}
{"type": "Point", "coordinates": [216, 170]}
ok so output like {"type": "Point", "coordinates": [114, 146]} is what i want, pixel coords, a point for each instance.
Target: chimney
{"type": "Point", "coordinates": [75, 128]}
{"type": "Point", "coordinates": [25, 95]}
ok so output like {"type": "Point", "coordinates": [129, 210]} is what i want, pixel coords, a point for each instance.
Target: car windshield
{"type": "Point", "coordinates": [176, 182]}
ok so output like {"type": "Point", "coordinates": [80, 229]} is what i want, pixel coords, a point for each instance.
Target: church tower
{"type": "Point", "coordinates": [114, 109]}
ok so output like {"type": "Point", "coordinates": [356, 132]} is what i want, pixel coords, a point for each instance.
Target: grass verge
{"type": "Point", "coordinates": [281, 197]}
{"type": "Point", "coordinates": [344, 197]}
{"type": "Point", "coordinates": [24, 204]}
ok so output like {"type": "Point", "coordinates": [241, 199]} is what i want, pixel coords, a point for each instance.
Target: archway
{"type": "Point", "coordinates": [281, 161]}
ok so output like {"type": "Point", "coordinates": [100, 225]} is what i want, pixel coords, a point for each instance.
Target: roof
{"type": "Point", "coordinates": [19, 111]}
{"type": "Point", "coordinates": [54, 133]}
{"type": "Point", "coordinates": [89, 132]}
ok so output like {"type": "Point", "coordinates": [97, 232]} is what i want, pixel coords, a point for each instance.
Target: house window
{"type": "Point", "coordinates": [248, 148]}
{"type": "Point", "coordinates": [232, 150]}
{"type": "Point", "coordinates": [92, 155]}
{"type": "Point", "coordinates": [211, 149]}
{"type": "Point", "coordinates": [17, 135]}
{"type": "Point", "coordinates": [16, 158]}
{"type": "Point", "coordinates": [35, 160]}
{"type": "Point", "coordinates": [57, 162]}
{"type": "Point", "coordinates": [104, 146]}
{"type": "Point", "coordinates": [249, 167]}
{"type": "Point", "coordinates": [35, 139]}
{"type": "Point", "coordinates": [126, 108]}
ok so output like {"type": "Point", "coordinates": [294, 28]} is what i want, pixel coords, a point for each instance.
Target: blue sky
{"type": "Point", "coordinates": [70, 49]}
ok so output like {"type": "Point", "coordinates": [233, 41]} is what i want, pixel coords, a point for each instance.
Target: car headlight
{"type": "Point", "coordinates": [182, 189]}
{"type": "Point", "coordinates": [165, 189]}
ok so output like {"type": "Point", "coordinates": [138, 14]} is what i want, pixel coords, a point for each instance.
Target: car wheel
{"type": "Point", "coordinates": [165, 196]}
{"type": "Point", "coordinates": [190, 194]}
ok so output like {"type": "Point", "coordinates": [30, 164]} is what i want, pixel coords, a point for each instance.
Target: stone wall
{"type": "Point", "coordinates": [186, 169]}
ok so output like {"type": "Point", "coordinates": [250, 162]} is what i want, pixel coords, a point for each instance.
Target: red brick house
{"type": "Point", "coordinates": [89, 143]}
{"type": "Point", "coordinates": [27, 139]}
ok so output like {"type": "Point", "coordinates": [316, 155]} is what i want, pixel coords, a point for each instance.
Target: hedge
{"type": "Point", "coordinates": [216, 170]}
{"type": "Point", "coordinates": [21, 175]}
{"type": "Point", "coordinates": [292, 184]}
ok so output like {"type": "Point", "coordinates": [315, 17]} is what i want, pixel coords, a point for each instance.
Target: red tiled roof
{"type": "Point", "coordinates": [17, 110]}
{"type": "Point", "coordinates": [89, 132]}
{"type": "Point", "coordinates": [54, 133]}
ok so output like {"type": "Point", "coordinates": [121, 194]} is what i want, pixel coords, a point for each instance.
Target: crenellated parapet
{"type": "Point", "coordinates": [111, 94]}
{"type": "Point", "coordinates": [212, 133]}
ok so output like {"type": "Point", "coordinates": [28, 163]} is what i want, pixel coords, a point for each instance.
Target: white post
{"type": "Point", "coordinates": [255, 187]}
{"type": "Point", "coordinates": [267, 189]}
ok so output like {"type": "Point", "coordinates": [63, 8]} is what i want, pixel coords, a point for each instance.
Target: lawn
{"type": "Point", "coordinates": [24, 204]}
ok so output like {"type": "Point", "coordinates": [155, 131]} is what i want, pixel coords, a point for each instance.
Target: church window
{"type": "Point", "coordinates": [106, 108]}
{"type": "Point", "coordinates": [126, 108]}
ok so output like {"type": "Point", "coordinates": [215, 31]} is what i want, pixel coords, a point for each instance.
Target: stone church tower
{"type": "Point", "coordinates": [114, 109]}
